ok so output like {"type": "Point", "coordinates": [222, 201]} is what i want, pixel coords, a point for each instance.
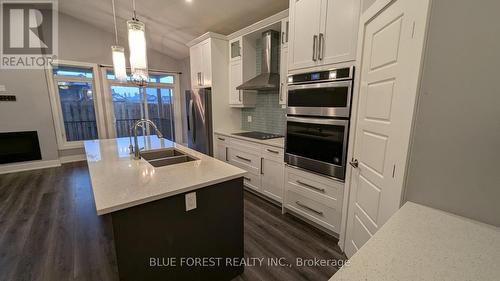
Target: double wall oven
{"type": "Point", "coordinates": [319, 107]}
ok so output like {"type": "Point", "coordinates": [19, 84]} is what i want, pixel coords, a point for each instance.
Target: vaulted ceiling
{"type": "Point", "coordinates": [170, 24]}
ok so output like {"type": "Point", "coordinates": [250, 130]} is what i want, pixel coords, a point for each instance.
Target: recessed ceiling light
{"type": "Point", "coordinates": [189, 1]}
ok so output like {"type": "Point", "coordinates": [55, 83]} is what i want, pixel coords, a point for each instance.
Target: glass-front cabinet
{"type": "Point", "coordinates": [235, 49]}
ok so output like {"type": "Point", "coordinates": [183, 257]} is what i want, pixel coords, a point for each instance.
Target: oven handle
{"type": "Point", "coordinates": [336, 84]}
{"type": "Point", "coordinates": [318, 121]}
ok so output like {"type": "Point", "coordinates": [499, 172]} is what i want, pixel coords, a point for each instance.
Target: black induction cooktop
{"type": "Point", "coordinates": [259, 135]}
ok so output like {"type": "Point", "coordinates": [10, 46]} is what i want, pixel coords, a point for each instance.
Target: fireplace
{"type": "Point", "coordinates": [19, 147]}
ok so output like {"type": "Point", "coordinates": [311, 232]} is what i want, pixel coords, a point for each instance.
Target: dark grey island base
{"type": "Point", "coordinates": [156, 240]}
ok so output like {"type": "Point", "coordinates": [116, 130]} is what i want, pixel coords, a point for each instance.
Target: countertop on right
{"type": "Point", "coordinates": [422, 243]}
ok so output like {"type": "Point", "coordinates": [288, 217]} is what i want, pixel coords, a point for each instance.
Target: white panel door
{"type": "Point", "coordinates": [304, 27]}
{"type": "Point", "coordinates": [389, 71]}
{"type": "Point", "coordinates": [339, 31]}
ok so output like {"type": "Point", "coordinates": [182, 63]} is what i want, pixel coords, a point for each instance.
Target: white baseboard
{"type": "Point", "coordinates": [72, 158]}
{"type": "Point", "coordinates": [26, 166]}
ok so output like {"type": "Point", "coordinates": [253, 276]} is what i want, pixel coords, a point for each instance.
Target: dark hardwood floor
{"type": "Point", "coordinates": [49, 230]}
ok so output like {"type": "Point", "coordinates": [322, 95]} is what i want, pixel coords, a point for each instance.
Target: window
{"type": "Point", "coordinates": [82, 113]}
{"type": "Point", "coordinates": [130, 104]}
{"type": "Point", "coordinates": [77, 109]}
{"type": "Point", "coordinates": [74, 103]}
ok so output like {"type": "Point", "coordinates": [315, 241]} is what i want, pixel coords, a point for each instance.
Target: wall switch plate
{"type": "Point", "coordinates": [190, 201]}
{"type": "Point", "coordinates": [249, 118]}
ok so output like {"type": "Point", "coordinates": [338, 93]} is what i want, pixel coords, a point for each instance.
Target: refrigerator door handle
{"type": "Point", "coordinates": [188, 116]}
{"type": "Point", "coordinates": [193, 119]}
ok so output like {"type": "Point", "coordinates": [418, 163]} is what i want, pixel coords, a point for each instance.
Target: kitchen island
{"type": "Point", "coordinates": [171, 221]}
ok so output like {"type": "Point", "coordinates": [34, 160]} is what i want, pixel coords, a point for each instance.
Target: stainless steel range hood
{"type": "Point", "coordinates": [269, 78]}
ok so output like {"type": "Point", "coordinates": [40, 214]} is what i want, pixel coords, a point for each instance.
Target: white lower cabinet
{"type": "Point", "coordinates": [221, 148]}
{"type": "Point", "coordinates": [272, 178]}
{"type": "Point", "coordinates": [314, 197]}
{"type": "Point", "coordinates": [264, 164]}
{"type": "Point", "coordinates": [252, 181]}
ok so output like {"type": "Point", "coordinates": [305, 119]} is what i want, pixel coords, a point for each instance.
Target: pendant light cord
{"type": "Point", "coordinates": [133, 7]}
{"type": "Point", "coordinates": [114, 19]}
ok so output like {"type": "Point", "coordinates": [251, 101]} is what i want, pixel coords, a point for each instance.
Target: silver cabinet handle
{"type": "Point", "coordinates": [261, 165]}
{"type": "Point", "coordinates": [239, 95]}
{"type": "Point", "coordinates": [221, 139]}
{"type": "Point", "coordinates": [322, 190]}
{"type": "Point", "coordinates": [199, 79]}
{"type": "Point", "coordinates": [315, 46]}
{"type": "Point", "coordinates": [273, 151]}
{"type": "Point", "coordinates": [281, 92]}
{"type": "Point", "coordinates": [227, 150]}
{"type": "Point", "coordinates": [282, 37]}
{"type": "Point", "coordinates": [321, 48]}
{"type": "Point", "coordinates": [248, 179]}
{"type": "Point", "coordinates": [308, 208]}
{"type": "Point", "coordinates": [354, 163]}
{"type": "Point", "coordinates": [287, 27]}
{"type": "Point", "coordinates": [243, 158]}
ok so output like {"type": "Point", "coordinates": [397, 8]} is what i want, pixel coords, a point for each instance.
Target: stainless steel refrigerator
{"type": "Point", "coordinates": [199, 119]}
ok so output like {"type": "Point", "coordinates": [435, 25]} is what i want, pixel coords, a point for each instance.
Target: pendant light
{"type": "Point", "coordinates": [118, 53]}
{"type": "Point", "coordinates": [137, 47]}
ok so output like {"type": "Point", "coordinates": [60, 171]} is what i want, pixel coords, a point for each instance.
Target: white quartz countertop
{"type": "Point", "coordinates": [277, 142]}
{"type": "Point", "coordinates": [421, 243]}
{"type": "Point", "coordinates": [119, 181]}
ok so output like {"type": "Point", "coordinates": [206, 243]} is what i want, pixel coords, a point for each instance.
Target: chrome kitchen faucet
{"type": "Point", "coordinates": [140, 123]}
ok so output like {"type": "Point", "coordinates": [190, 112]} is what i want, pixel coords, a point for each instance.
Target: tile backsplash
{"type": "Point", "coordinates": [267, 115]}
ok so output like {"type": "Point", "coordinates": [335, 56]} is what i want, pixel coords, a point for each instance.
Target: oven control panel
{"type": "Point", "coordinates": [321, 76]}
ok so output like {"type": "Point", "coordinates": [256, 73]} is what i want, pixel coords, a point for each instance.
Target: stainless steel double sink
{"type": "Point", "coordinates": [166, 157]}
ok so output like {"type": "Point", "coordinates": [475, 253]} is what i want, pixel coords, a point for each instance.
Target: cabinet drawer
{"type": "Point", "coordinates": [252, 181]}
{"type": "Point", "coordinates": [245, 160]}
{"type": "Point", "coordinates": [221, 139]}
{"type": "Point", "coordinates": [315, 211]}
{"type": "Point", "coordinates": [272, 152]}
{"type": "Point", "coordinates": [245, 146]}
{"type": "Point", "coordinates": [314, 184]}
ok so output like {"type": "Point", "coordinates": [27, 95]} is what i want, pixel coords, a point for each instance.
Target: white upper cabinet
{"type": "Point", "coordinates": [201, 64]}
{"type": "Point", "coordinates": [285, 31]}
{"type": "Point", "coordinates": [242, 64]}
{"type": "Point", "coordinates": [285, 27]}
{"type": "Point", "coordinates": [235, 49]}
{"type": "Point", "coordinates": [283, 76]}
{"type": "Point", "coordinates": [304, 32]}
{"type": "Point", "coordinates": [340, 31]}
{"type": "Point", "coordinates": [206, 74]}
{"type": "Point", "coordinates": [322, 32]}
{"type": "Point", "coordinates": [235, 79]}
{"type": "Point", "coordinates": [196, 62]}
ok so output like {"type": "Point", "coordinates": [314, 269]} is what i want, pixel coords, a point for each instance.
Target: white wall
{"type": "Point", "coordinates": [454, 163]}
{"type": "Point", "coordinates": [78, 41]}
